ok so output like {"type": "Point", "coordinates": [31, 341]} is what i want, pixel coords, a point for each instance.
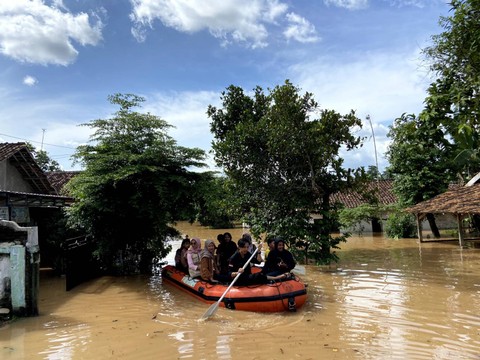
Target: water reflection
{"type": "Point", "coordinates": [386, 299]}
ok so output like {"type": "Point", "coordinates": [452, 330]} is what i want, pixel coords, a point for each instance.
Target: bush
{"type": "Point", "coordinates": [401, 225]}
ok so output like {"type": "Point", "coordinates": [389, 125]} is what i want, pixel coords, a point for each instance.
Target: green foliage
{"type": "Point", "coordinates": [373, 173]}
{"type": "Point", "coordinates": [454, 97]}
{"type": "Point", "coordinates": [419, 158]}
{"type": "Point", "coordinates": [283, 165]}
{"type": "Point", "coordinates": [400, 225]}
{"type": "Point", "coordinates": [365, 212]}
{"type": "Point", "coordinates": [136, 182]}
{"type": "Point", "coordinates": [43, 160]}
{"type": "Point", "coordinates": [213, 202]}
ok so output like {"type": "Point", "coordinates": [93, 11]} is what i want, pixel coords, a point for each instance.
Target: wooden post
{"type": "Point", "coordinates": [460, 230]}
{"type": "Point", "coordinates": [419, 227]}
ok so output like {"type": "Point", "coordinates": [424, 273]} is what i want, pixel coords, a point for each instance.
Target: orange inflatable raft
{"type": "Point", "coordinates": [286, 295]}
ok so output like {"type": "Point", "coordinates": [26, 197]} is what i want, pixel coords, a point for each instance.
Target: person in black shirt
{"type": "Point", "coordinates": [279, 260]}
{"type": "Point", "coordinates": [238, 260]}
{"type": "Point", "coordinates": [225, 250]}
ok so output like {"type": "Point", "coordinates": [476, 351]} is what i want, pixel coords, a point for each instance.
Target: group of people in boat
{"type": "Point", "coordinates": [223, 263]}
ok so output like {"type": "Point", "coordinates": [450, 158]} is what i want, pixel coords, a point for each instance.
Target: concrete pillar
{"type": "Point", "coordinates": [17, 276]}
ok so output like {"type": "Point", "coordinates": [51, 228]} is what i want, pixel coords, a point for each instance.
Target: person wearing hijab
{"type": "Point", "coordinates": [279, 260]}
{"type": "Point", "coordinates": [208, 265]}
{"type": "Point", "coordinates": [193, 257]}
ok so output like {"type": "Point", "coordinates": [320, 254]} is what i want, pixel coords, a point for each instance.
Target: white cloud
{"type": "Point", "coordinates": [187, 112]}
{"type": "Point", "coordinates": [383, 85]}
{"type": "Point", "coordinates": [417, 3]}
{"type": "Point", "coordinates": [362, 4]}
{"type": "Point", "coordinates": [380, 85]}
{"type": "Point", "coordinates": [33, 32]}
{"type": "Point", "coordinates": [30, 80]}
{"type": "Point", "coordinates": [300, 29]}
{"type": "Point", "coordinates": [227, 20]}
{"type": "Point", "coordinates": [348, 4]}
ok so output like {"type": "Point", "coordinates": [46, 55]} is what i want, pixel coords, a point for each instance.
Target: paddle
{"type": "Point", "coordinates": [299, 270]}
{"type": "Point", "coordinates": [213, 308]}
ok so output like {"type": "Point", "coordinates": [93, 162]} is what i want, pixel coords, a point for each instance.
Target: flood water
{"type": "Point", "coordinates": [386, 299]}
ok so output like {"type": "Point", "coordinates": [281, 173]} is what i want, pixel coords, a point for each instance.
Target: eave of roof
{"type": "Point", "coordinates": [17, 198]}
{"type": "Point", "coordinates": [460, 200]}
{"type": "Point", "coordinates": [20, 157]}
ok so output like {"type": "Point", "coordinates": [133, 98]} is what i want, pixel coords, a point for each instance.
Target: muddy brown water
{"type": "Point", "coordinates": [386, 299]}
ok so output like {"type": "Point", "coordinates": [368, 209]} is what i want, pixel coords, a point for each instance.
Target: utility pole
{"type": "Point", "coordinates": [43, 135]}
{"type": "Point", "coordinates": [374, 145]}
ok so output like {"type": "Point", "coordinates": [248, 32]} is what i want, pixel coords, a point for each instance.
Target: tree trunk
{"type": "Point", "coordinates": [433, 225]}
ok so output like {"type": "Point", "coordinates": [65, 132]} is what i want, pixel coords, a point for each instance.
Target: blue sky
{"type": "Point", "coordinates": [59, 61]}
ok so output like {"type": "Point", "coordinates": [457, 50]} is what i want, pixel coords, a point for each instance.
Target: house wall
{"type": "Point", "coordinates": [443, 221]}
{"type": "Point", "coordinates": [11, 180]}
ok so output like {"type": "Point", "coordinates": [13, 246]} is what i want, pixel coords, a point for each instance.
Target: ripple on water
{"type": "Point", "coordinates": [386, 300]}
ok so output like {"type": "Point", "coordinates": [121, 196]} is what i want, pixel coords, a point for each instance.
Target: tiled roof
{"type": "Point", "coordinates": [59, 179]}
{"type": "Point", "coordinates": [8, 149]}
{"type": "Point", "coordinates": [382, 189]}
{"type": "Point", "coordinates": [456, 200]}
{"type": "Point", "coordinates": [18, 156]}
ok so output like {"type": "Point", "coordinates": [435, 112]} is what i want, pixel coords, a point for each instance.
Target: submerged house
{"type": "Point", "coordinates": [24, 188]}
{"type": "Point", "coordinates": [377, 191]}
{"type": "Point", "coordinates": [28, 202]}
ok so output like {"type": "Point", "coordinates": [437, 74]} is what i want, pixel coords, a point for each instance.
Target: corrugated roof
{"type": "Point", "coordinates": [18, 156]}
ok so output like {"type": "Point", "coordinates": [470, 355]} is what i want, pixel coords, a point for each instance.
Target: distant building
{"type": "Point", "coordinates": [379, 192]}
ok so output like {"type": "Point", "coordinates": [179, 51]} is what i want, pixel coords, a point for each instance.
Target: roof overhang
{"type": "Point", "coordinates": [14, 198]}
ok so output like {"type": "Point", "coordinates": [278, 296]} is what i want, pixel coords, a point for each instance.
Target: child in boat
{"type": "Point", "coordinates": [181, 256]}
{"type": "Point", "coordinates": [193, 257]}
{"type": "Point", "coordinates": [238, 260]}
{"type": "Point", "coordinates": [208, 265]}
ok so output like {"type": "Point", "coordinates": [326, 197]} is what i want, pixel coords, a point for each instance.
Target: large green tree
{"type": "Point", "coordinates": [136, 182]}
{"type": "Point", "coordinates": [419, 158]}
{"type": "Point", "coordinates": [454, 97]}
{"type": "Point", "coordinates": [443, 142]}
{"type": "Point", "coordinates": [213, 202]}
{"type": "Point", "coordinates": [280, 152]}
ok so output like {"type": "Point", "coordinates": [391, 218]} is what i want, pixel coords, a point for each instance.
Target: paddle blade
{"type": "Point", "coordinates": [210, 312]}
{"type": "Point", "coordinates": [299, 270]}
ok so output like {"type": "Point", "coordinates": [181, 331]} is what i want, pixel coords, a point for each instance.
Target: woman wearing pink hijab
{"type": "Point", "coordinates": [193, 257]}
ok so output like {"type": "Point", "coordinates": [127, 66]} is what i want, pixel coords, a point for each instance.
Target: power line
{"type": "Point", "coordinates": [39, 142]}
